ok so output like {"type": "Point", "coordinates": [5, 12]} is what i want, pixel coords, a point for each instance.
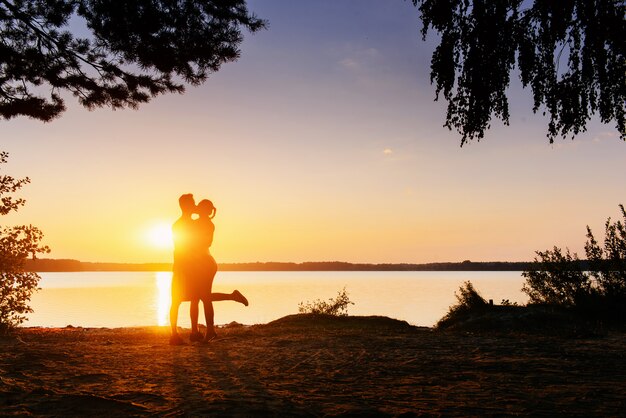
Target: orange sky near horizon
{"type": "Point", "coordinates": [321, 143]}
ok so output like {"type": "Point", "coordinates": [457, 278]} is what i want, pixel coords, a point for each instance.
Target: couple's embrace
{"type": "Point", "coordinates": [194, 268]}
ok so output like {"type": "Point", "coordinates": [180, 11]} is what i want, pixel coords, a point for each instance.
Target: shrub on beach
{"type": "Point", "coordinates": [557, 280]}
{"type": "Point", "coordinates": [595, 287]}
{"type": "Point", "coordinates": [468, 302]}
{"type": "Point", "coordinates": [337, 306]}
{"type": "Point", "coordinates": [16, 244]}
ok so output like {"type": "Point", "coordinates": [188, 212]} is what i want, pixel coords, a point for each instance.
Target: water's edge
{"type": "Point", "coordinates": [125, 299]}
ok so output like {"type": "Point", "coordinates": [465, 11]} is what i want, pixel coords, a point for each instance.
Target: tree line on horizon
{"type": "Point", "coordinates": [42, 265]}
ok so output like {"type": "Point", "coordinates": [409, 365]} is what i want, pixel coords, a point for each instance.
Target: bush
{"type": "Point", "coordinates": [595, 286]}
{"type": "Point", "coordinates": [337, 306]}
{"type": "Point", "coordinates": [16, 244]}
{"type": "Point", "coordinates": [468, 301]}
{"type": "Point", "coordinates": [558, 280]}
{"type": "Point", "coordinates": [608, 266]}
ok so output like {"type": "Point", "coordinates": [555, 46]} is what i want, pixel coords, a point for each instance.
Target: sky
{"type": "Point", "coordinates": [323, 142]}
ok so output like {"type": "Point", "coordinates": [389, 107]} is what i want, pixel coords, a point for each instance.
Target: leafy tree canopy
{"type": "Point", "coordinates": [570, 53]}
{"type": "Point", "coordinates": [132, 50]}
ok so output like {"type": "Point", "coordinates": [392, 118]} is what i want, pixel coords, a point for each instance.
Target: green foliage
{"type": "Point", "coordinates": [135, 50]}
{"type": "Point", "coordinates": [468, 301]}
{"type": "Point", "coordinates": [570, 54]}
{"type": "Point", "coordinates": [601, 286]}
{"type": "Point", "coordinates": [337, 306]}
{"type": "Point", "coordinates": [16, 244]}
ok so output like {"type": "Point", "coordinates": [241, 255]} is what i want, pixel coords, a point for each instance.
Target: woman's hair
{"type": "Point", "coordinates": [206, 206]}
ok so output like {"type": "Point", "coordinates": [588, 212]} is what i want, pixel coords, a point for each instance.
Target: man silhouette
{"type": "Point", "coordinates": [182, 233]}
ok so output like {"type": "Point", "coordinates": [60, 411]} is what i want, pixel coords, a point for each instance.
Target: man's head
{"type": "Point", "coordinates": [187, 204]}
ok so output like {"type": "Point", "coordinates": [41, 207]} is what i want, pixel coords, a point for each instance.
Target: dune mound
{"type": "Point", "coordinates": [522, 319]}
{"type": "Point", "coordinates": [344, 322]}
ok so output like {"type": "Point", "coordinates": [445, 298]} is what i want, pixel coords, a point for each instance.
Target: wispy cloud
{"type": "Point", "coordinates": [370, 69]}
{"type": "Point", "coordinates": [350, 64]}
{"type": "Point", "coordinates": [601, 136]}
{"type": "Point", "coordinates": [360, 60]}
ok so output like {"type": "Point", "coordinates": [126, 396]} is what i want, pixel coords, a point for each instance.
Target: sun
{"type": "Point", "coordinates": [160, 235]}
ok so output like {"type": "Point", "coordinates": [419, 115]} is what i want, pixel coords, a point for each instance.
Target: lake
{"type": "Point", "coordinates": [124, 299]}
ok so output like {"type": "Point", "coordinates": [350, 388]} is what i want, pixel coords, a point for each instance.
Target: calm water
{"type": "Point", "coordinates": [122, 299]}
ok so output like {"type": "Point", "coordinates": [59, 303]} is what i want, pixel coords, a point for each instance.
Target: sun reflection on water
{"type": "Point", "coordinates": [164, 284]}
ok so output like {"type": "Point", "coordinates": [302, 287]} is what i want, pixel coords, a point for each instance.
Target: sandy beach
{"type": "Point", "coordinates": [307, 366]}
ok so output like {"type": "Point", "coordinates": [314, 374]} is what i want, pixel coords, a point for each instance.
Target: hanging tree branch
{"type": "Point", "coordinates": [482, 41]}
{"type": "Point", "coordinates": [135, 50]}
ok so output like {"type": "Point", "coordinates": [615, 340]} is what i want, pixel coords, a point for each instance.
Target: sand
{"type": "Point", "coordinates": [306, 366]}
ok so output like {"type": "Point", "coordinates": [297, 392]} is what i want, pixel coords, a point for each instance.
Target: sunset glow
{"type": "Point", "coordinates": [160, 236]}
{"type": "Point", "coordinates": [325, 208]}
{"type": "Point", "coordinates": [322, 142]}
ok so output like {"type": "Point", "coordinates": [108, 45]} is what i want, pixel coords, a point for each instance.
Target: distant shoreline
{"type": "Point", "coordinates": [68, 265]}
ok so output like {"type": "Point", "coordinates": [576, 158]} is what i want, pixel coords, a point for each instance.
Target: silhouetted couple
{"type": "Point", "coordinates": [194, 268]}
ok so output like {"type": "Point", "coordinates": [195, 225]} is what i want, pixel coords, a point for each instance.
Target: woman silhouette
{"type": "Point", "coordinates": [203, 273]}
